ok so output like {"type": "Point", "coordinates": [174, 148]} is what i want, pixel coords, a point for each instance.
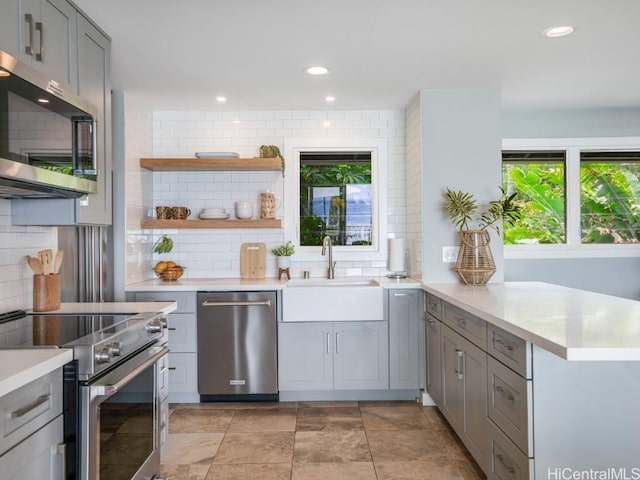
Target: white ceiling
{"type": "Point", "coordinates": [181, 54]}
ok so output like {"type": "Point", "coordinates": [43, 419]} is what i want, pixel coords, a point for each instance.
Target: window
{"type": "Point", "coordinates": [336, 187]}
{"type": "Point", "coordinates": [539, 179]}
{"type": "Point", "coordinates": [335, 198]}
{"type": "Point", "coordinates": [579, 195]}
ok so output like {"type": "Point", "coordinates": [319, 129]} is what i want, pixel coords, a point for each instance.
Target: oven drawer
{"type": "Point", "coordinates": [514, 352]}
{"type": "Point", "coordinates": [510, 404]}
{"type": "Point", "coordinates": [186, 300]}
{"type": "Point", "coordinates": [28, 408]}
{"type": "Point", "coordinates": [466, 324]}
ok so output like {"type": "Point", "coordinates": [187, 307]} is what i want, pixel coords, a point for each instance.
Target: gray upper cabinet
{"type": "Point", "coordinates": [42, 34]}
{"type": "Point", "coordinates": [405, 320]}
{"type": "Point", "coordinates": [93, 83]}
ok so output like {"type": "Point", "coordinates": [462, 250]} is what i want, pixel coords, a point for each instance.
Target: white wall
{"type": "Point", "coordinates": [16, 279]}
{"type": "Point", "coordinates": [215, 253]}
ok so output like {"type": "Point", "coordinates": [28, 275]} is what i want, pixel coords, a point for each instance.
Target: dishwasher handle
{"type": "Point", "coordinates": [239, 303]}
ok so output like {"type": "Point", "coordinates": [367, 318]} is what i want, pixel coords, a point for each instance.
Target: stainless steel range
{"type": "Point", "coordinates": [113, 389]}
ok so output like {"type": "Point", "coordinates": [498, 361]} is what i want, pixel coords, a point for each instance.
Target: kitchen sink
{"type": "Point", "coordinates": [335, 300]}
{"type": "Point", "coordinates": [334, 282]}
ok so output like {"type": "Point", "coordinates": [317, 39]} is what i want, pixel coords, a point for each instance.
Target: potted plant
{"type": "Point", "coordinates": [283, 254]}
{"type": "Point", "coordinates": [272, 151]}
{"type": "Point", "coordinates": [475, 263]}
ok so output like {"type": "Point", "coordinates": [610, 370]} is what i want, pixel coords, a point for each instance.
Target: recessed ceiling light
{"type": "Point", "coordinates": [221, 99]}
{"type": "Point", "coordinates": [326, 123]}
{"type": "Point", "coordinates": [557, 32]}
{"type": "Point", "coordinates": [330, 98]}
{"type": "Point", "coordinates": [43, 100]}
{"type": "Point", "coordinates": [317, 70]}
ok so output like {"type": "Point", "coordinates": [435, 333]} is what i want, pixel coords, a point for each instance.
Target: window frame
{"type": "Point", "coordinates": [573, 248]}
{"type": "Point", "coordinates": [377, 147]}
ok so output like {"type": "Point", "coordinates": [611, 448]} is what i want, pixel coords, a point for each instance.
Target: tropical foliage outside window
{"type": "Point", "coordinates": [609, 196]}
{"type": "Point", "coordinates": [335, 198]}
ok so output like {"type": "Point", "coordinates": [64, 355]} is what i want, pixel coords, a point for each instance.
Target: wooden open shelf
{"type": "Point", "coordinates": [195, 164]}
{"type": "Point", "coordinates": [231, 223]}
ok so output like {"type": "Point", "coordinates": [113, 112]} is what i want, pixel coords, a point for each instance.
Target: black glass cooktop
{"type": "Point", "coordinates": [52, 330]}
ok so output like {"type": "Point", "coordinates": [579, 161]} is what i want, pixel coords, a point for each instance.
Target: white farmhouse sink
{"type": "Point", "coordinates": [338, 300]}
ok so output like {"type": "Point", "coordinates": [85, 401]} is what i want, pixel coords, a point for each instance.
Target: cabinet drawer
{"type": "Point", "coordinates": [510, 404]}
{"type": "Point", "coordinates": [434, 306]}
{"type": "Point", "coordinates": [514, 352]}
{"type": "Point", "coordinates": [28, 408]}
{"type": "Point", "coordinates": [507, 462]}
{"type": "Point", "coordinates": [466, 324]}
{"type": "Point", "coordinates": [186, 300]}
{"type": "Point", "coordinates": [182, 332]}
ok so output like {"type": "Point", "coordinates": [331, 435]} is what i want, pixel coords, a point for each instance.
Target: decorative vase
{"type": "Point", "coordinates": [475, 263]}
{"type": "Point", "coordinates": [284, 261]}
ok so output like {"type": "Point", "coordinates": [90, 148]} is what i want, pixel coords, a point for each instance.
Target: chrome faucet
{"type": "Point", "coordinates": [326, 242]}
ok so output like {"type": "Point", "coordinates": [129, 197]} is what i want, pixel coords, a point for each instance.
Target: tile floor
{"type": "Point", "coordinates": [313, 440]}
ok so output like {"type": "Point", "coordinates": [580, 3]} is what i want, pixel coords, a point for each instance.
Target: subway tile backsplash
{"type": "Point", "coordinates": [216, 253]}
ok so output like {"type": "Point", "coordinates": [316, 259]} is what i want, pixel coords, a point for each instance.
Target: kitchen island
{"type": "Point", "coordinates": [539, 381]}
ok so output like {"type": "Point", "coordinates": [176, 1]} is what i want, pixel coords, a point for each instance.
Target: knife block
{"type": "Point", "coordinates": [46, 292]}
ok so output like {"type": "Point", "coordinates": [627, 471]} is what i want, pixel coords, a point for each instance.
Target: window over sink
{"type": "Point", "coordinates": [336, 187]}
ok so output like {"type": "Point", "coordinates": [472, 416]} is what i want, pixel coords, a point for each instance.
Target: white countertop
{"type": "Point", "coordinates": [238, 284]}
{"type": "Point", "coordinates": [107, 308]}
{"type": "Point", "coordinates": [21, 366]}
{"type": "Point", "coordinates": [573, 324]}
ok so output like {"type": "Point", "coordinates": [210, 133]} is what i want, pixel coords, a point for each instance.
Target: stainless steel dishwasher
{"type": "Point", "coordinates": [237, 346]}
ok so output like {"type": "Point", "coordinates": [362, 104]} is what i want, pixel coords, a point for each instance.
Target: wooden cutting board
{"type": "Point", "coordinates": [253, 260]}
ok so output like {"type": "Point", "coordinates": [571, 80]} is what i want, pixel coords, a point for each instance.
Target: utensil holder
{"type": "Point", "coordinates": [46, 292]}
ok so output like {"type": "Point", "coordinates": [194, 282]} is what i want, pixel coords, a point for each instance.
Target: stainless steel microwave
{"type": "Point", "coordinates": [47, 136]}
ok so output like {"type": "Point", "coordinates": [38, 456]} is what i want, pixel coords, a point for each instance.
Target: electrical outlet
{"type": "Point", "coordinates": [450, 254]}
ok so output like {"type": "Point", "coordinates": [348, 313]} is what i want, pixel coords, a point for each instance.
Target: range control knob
{"type": "Point", "coordinates": [102, 356]}
{"type": "Point", "coordinates": [115, 349]}
{"type": "Point", "coordinates": [154, 327]}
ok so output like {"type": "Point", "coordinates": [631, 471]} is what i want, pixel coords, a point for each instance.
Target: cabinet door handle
{"type": "Point", "coordinates": [505, 393]}
{"type": "Point", "coordinates": [61, 449]}
{"type": "Point", "coordinates": [328, 343]}
{"type": "Point", "coordinates": [508, 467]}
{"type": "Point", "coordinates": [400, 294]}
{"type": "Point", "coordinates": [22, 411]}
{"type": "Point", "coordinates": [460, 364]}
{"type": "Point", "coordinates": [172, 329]}
{"type": "Point", "coordinates": [173, 368]}
{"type": "Point", "coordinates": [40, 29]}
{"type": "Point", "coordinates": [507, 346]}
{"type": "Point", "coordinates": [337, 343]}
{"type": "Point", "coordinates": [28, 18]}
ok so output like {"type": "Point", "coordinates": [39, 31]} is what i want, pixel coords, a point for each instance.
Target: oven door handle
{"type": "Point", "coordinates": [108, 390]}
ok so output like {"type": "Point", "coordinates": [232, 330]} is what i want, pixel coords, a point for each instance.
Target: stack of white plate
{"type": "Point", "coordinates": [213, 214]}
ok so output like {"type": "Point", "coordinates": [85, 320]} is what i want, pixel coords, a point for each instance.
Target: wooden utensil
{"type": "Point", "coordinates": [58, 261]}
{"type": "Point", "coordinates": [45, 257]}
{"type": "Point", "coordinates": [34, 264]}
{"type": "Point", "coordinates": [253, 260]}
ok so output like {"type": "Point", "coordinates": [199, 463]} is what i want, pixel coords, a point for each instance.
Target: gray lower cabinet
{"type": "Point", "coordinates": [31, 430]}
{"type": "Point", "coordinates": [43, 35]}
{"type": "Point", "coordinates": [405, 338]}
{"type": "Point", "coordinates": [183, 368]}
{"type": "Point", "coordinates": [333, 356]}
{"type": "Point", "coordinates": [464, 392]}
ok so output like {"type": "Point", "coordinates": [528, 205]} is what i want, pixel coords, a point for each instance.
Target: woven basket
{"type": "Point", "coordinates": [475, 263]}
